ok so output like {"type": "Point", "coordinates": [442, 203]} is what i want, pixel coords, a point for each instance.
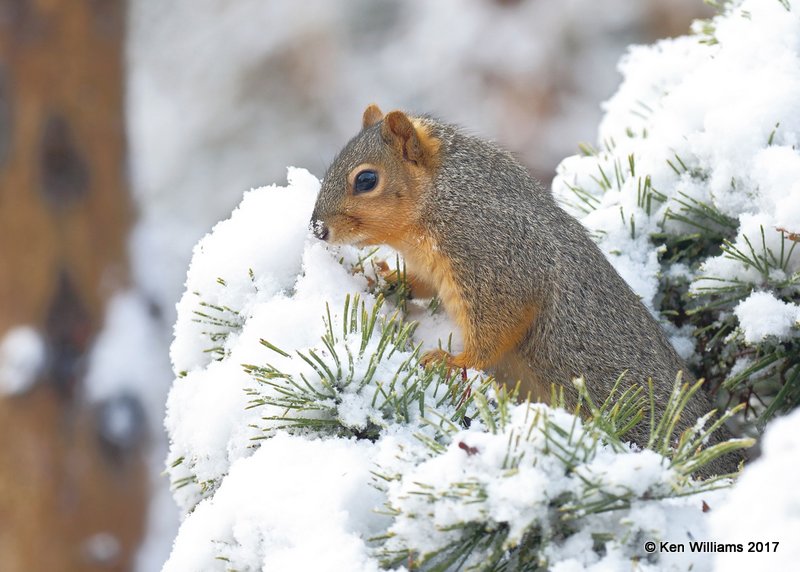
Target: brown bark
{"type": "Point", "coordinates": [60, 494]}
{"type": "Point", "coordinates": [63, 201]}
{"type": "Point", "coordinates": [64, 216]}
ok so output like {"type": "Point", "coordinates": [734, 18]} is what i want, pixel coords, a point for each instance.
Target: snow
{"type": "Point", "coordinates": [716, 120]}
{"type": "Point", "coordinates": [696, 120]}
{"type": "Point", "coordinates": [273, 264]}
{"type": "Point", "coordinates": [762, 315]}
{"type": "Point", "coordinates": [102, 548]}
{"type": "Point", "coordinates": [22, 357]}
{"type": "Point", "coordinates": [314, 513]}
{"type": "Point", "coordinates": [764, 505]}
{"type": "Point", "coordinates": [474, 481]}
{"type": "Point", "coordinates": [275, 288]}
{"type": "Point", "coordinates": [260, 490]}
{"type": "Point", "coordinates": [125, 356]}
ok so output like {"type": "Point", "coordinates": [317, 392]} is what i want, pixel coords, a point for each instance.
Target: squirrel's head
{"type": "Point", "coordinates": [372, 190]}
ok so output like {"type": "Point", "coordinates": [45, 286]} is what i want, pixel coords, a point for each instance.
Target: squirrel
{"type": "Point", "coordinates": [536, 300]}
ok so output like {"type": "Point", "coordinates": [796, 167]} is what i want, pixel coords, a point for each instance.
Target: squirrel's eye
{"type": "Point", "coordinates": [365, 181]}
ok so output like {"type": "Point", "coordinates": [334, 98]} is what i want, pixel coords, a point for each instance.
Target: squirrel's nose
{"type": "Point", "coordinates": [320, 229]}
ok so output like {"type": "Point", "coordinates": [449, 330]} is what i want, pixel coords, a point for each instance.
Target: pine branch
{"type": "Point", "coordinates": [374, 361]}
{"type": "Point", "coordinates": [483, 543]}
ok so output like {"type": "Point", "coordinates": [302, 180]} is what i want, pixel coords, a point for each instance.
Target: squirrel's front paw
{"type": "Point", "coordinates": [434, 358]}
{"type": "Point", "coordinates": [390, 276]}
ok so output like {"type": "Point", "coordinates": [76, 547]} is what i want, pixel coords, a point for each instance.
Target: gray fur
{"type": "Point", "coordinates": [510, 245]}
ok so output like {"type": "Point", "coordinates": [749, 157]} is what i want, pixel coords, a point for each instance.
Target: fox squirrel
{"type": "Point", "coordinates": [535, 298]}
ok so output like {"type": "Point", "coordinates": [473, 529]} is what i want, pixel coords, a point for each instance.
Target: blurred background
{"type": "Point", "coordinates": [127, 129]}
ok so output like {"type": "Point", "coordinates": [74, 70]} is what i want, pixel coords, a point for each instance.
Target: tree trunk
{"type": "Point", "coordinates": [65, 211]}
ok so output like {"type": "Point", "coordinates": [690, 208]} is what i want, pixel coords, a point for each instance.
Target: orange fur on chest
{"type": "Point", "coordinates": [488, 343]}
{"type": "Point", "coordinates": [428, 264]}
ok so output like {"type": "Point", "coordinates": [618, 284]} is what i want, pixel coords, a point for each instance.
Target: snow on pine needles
{"type": "Point", "coordinates": [299, 398]}
{"type": "Point", "coordinates": [694, 195]}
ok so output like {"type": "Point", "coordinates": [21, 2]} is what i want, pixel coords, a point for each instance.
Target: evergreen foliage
{"type": "Point", "coordinates": [579, 494]}
{"type": "Point", "coordinates": [689, 230]}
{"type": "Point", "coordinates": [343, 370]}
{"type": "Point", "coordinates": [312, 392]}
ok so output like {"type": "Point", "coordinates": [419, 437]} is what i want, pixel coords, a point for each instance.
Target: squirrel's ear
{"type": "Point", "coordinates": [398, 131]}
{"type": "Point", "coordinates": [372, 114]}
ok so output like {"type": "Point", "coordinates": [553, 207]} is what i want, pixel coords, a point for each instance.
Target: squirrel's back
{"type": "Point", "coordinates": [506, 234]}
